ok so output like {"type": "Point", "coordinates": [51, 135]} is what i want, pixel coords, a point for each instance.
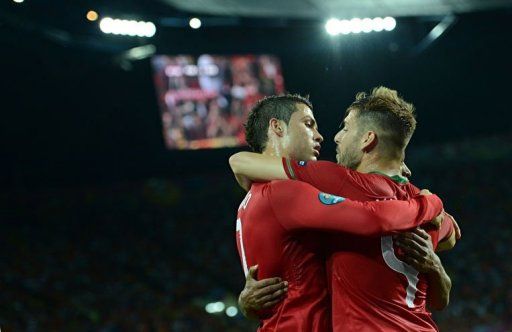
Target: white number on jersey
{"type": "Point", "coordinates": [241, 244]}
{"type": "Point", "coordinates": [388, 253]}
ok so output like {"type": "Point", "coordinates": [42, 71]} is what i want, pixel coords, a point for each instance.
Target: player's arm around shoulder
{"type": "Point", "coordinates": [249, 167]}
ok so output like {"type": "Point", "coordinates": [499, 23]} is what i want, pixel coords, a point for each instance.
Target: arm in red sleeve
{"type": "Point", "coordinates": [447, 228]}
{"type": "Point", "coordinates": [446, 238]}
{"type": "Point", "coordinates": [447, 234]}
{"type": "Point", "coordinates": [298, 205]}
{"type": "Point", "coordinates": [324, 175]}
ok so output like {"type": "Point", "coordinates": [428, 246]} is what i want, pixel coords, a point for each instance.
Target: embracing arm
{"type": "Point", "coordinates": [258, 295]}
{"type": "Point", "coordinates": [440, 284]}
{"type": "Point", "coordinates": [250, 166]}
{"type": "Point", "coordinates": [298, 205]}
{"type": "Point", "coordinates": [450, 233]}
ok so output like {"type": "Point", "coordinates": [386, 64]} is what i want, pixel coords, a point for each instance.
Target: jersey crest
{"type": "Point", "coordinates": [329, 199]}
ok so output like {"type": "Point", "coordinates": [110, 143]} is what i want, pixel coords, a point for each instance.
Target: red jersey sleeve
{"type": "Point", "coordinates": [324, 175]}
{"type": "Point", "coordinates": [447, 227]}
{"type": "Point", "coordinates": [297, 205]}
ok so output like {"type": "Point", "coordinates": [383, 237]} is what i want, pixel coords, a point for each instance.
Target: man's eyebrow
{"type": "Point", "coordinates": [307, 117]}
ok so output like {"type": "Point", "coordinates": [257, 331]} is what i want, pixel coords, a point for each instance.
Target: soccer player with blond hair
{"type": "Point", "coordinates": [382, 283]}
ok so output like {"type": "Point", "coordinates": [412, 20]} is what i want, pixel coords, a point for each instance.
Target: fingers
{"type": "Point", "coordinates": [412, 261]}
{"type": "Point", "coordinates": [272, 288]}
{"type": "Point", "coordinates": [253, 272]}
{"type": "Point", "coordinates": [422, 233]}
{"type": "Point", "coordinates": [437, 221]}
{"type": "Point", "coordinates": [267, 296]}
{"type": "Point", "coordinates": [417, 235]}
{"type": "Point", "coordinates": [458, 233]}
{"type": "Point", "coordinates": [411, 248]}
{"type": "Point", "coordinates": [413, 244]}
{"type": "Point", "coordinates": [271, 303]}
{"type": "Point", "coordinates": [425, 192]}
{"type": "Point", "coordinates": [267, 282]}
{"type": "Point", "coordinates": [272, 296]}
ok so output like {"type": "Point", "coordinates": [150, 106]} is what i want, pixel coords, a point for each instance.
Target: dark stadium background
{"type": "Point", "coordinates": [104, 229]}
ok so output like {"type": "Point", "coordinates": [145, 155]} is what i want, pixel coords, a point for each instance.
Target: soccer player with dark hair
{"type": "Point", "coordinates": [374, 286]}
{"type": "Point", "coordinates": [276, 219]}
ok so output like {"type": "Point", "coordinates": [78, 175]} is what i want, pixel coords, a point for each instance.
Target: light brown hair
{"type": "Point", "coordinates": [386, 113]}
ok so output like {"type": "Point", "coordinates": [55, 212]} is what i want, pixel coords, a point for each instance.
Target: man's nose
{"type": "Point", "coordinates": [319, 138]}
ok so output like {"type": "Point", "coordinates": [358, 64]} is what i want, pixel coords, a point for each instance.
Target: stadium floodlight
{"type": "Point", "coordinates": [127, 27]}
{"type": "Point", "coordinates": [332, 26]}
{"type": "Point", "coordinates": [356, 25]}
{"type": "Point", "coordinates": [378, 24]}
{"type": "Point", "coordinates": [345, 27]}
{"type": "Point", "coordinates": [231, 311]}
{"type": "Point", "coordinates": [367, 25]}
{"type": "Point", "coordinates": [389, 23]}
{"type": "Point", "coordinates": [195, 23]}
{"type": "Point", "coordinates": [335, 26]}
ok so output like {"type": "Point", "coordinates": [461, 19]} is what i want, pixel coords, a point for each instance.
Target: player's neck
{"type": "Point", "coordinates": [273, 150]}
{"type": "Point", "coordinates": [373, 164]}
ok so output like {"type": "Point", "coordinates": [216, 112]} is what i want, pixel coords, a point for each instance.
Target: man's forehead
{"type": "Point", "coordinates": [349, 117]}
{"type": "Point", "coordinates": [303, 110]}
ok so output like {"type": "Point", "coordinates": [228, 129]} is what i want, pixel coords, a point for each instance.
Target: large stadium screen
{"type": "Point", "coordinates": [204, 100]}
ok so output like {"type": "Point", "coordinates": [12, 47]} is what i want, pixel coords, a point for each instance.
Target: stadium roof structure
{"type": "Point", "coordinates": [337, 8]}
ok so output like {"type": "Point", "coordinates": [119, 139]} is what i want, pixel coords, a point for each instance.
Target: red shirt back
{"type": "Point", "coordinates": [262, 240]}
{"type": "Point", "coordinates": [372, 290]}
{"type": "Point", "coordinates": [274, 230]}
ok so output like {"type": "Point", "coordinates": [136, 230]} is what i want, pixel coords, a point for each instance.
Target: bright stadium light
{"type": "Point", "coordinates": [231, 311]}
{"type": "Point", "coordinates": [356, 25]}
{"type": "Point", "coordinates": [106, 25]}
{"type": "Point", "coordinates": [345, 27]}
{"type": "Point", "coordinates": [367, 25]}
{"type": "Point", "coordinates": [389, 23]}
{"type": "Point", "coordinates": [378, 24]}
{"type": "Point", "coordinates": [335, 26]}
{"type": "Point", "coordinates": [149, 29]}
{"type": "Point", "coordinates": [195, 23]}
{"type": "Point", "coordinates": [332, 27]}
{"type": "Point", "coordinates": [127, 27]}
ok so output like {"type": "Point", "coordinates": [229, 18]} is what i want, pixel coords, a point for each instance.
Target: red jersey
{"type": "Point", "coordinates": [372, 290]}
{"type": "Point", "coordinates": [271, 223]}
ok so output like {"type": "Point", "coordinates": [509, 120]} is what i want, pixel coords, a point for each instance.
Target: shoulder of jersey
{"type": "Point", "coordinates": [375, 184]}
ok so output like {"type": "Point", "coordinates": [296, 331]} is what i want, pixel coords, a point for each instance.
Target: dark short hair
{"type": "Point", "coordinates": [279, 107]}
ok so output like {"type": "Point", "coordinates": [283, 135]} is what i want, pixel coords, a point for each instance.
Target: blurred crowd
{"type": "Point", "coordinates": [149, 255]}
{"type": "Point", "coordinates": [204, 101]}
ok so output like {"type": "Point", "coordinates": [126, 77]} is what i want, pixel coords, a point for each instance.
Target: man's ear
{"type": "Point", "coordinates": [277, 126]}
{"type": "Point", "coordinates": [369, 141]}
